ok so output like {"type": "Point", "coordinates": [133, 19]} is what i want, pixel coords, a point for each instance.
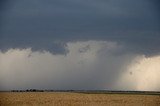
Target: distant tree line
{"type": "Point", "coordinates": [28, 90]}
{"type": "Point", "coordinates": [37, 90]}
{"type": "Point", "coordinates": [92, 91]}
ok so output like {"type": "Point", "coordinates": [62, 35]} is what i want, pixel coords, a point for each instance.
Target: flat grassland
{"type": "Point", "coordinates": [76, 99]}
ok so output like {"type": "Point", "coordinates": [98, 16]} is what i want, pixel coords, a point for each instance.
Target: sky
{"type": "Point", "coordinates": [80, 44]}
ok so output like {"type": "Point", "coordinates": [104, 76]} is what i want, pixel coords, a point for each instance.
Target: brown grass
{"type": "Point", "coordinates": [75, 99]}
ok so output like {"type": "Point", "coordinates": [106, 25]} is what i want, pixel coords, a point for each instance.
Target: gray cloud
{"type": "Point", "coordinates": [97, 67]}
{"type": "Point", "coordinates": [38, 32]}
{"type": "Point", "coordinates": [38, 24]}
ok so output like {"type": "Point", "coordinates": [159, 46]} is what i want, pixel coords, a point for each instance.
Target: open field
{"type": "Point", "coordinates": [76, 99]}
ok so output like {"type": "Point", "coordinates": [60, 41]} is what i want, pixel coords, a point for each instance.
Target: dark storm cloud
{"type": "Point", "coordinates": [40, 24]}
{"type": "Point", "coordinates": [104, 42]}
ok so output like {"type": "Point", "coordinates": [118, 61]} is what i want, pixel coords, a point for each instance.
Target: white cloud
{"type": "Point", "coordinates": [87, 65]}
{"type": "Point", "coordinates": [142, 74]}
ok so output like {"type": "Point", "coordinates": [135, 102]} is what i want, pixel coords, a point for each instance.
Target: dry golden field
{"type": "Point", "coordinates": [76, 99]}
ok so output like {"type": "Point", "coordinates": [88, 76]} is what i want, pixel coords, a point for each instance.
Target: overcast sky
{"type": "Point", "coordinates": [80, 44]}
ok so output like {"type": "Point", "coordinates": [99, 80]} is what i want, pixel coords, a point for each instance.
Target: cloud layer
{"type": "Point", "coordinates": [79, 44]}
{"type": "Point", "coordinates": [38, 24]}
{"type": "Point", "coordinates": [87, 65]}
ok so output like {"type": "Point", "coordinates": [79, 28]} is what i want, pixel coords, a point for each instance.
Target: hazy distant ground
{"type": "Point", "coordinates": [76, 99]}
